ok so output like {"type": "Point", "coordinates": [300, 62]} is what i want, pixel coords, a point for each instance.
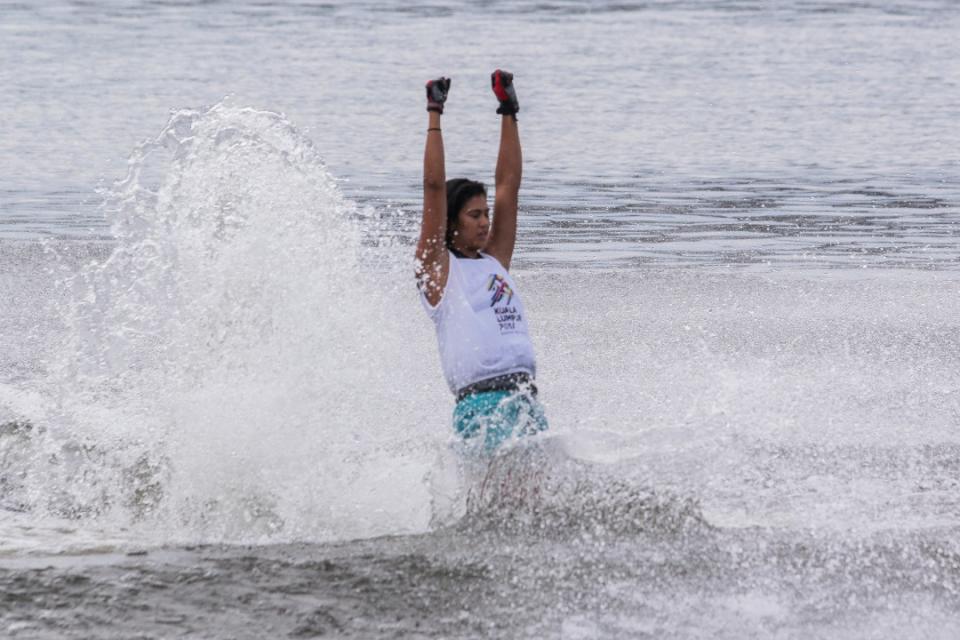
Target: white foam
{"type": "Point", "coordinates": [234, 368]}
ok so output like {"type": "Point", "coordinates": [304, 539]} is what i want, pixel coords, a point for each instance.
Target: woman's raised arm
{"type": "Point", "coordinates": [433, 261]}
{"type": "Point", "coordinates": [503, 234]}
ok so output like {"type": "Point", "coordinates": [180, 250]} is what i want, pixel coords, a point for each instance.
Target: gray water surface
{"type": "Point", "coordinates": [667, 132]}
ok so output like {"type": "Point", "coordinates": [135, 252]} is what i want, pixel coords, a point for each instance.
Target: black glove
{"type": "Point", "coordinates": [437, 94]}
{"type": "Point", "coordinates": [502, 82]}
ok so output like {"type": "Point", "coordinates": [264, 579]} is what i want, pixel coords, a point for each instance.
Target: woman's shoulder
{"type": "Point", "coordinates": [487, 256]}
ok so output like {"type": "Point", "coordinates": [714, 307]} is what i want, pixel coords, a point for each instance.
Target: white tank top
{"type": "Point", "coordinates": [481, 323]}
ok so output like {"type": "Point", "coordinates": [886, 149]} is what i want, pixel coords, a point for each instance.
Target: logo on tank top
{"type": "Point", "coordinates": [498, 285]}
{"type": "Point", "coordinates": [508, 316]}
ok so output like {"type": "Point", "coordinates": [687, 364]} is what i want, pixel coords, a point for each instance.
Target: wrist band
{"type": "Point", "coordinates": [434, 129]}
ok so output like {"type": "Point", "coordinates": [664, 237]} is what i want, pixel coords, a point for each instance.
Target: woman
{"type": "Point", "coordinates": [463, 262]}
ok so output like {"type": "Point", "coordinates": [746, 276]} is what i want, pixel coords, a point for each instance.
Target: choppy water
{"type": "Point", "coordinates": [221, 413]}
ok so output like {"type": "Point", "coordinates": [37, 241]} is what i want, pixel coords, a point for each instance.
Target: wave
{"type": "Point", "coordinates": [538, 489]}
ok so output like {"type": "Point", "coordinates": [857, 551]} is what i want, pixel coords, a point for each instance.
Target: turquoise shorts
{"type": "Point", "coordinates": [497, 416]}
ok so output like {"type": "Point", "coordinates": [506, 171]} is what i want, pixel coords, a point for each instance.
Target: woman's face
{"type": "Point", "coordinates": [473, 225]}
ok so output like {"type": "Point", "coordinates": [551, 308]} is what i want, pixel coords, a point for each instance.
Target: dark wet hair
{"type": "Point", "coordinates": [459, 191]}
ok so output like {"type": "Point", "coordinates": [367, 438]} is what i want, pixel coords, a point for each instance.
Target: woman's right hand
{"type": "Point", "coordinates": [437, 90]}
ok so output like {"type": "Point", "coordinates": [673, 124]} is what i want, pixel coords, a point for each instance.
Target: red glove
{"type": "Point", "coordinates": [437, 94]}
{"type": "Point", "coordinates": [502, 82]}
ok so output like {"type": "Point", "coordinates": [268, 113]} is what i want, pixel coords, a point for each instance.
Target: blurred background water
{"type": "Point", "coordinates": [221, 411]}
{"type": "Point", "coordinates": [670, 132]}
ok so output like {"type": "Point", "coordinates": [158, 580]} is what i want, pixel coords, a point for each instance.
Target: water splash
{"type": "Point", "coordinates": [538, 490]}
{"type": "Point", "coordinates": [215, 381]}
{"type": "Point", "coordinates": [217, 223]}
